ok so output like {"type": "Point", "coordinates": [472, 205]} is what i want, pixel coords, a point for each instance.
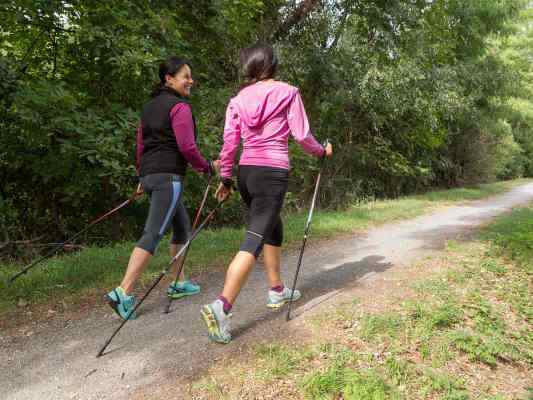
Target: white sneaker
{"type": "Point", "coordinates": [277, 300]}
{"type": "Point", "coordinates": [218, 323]}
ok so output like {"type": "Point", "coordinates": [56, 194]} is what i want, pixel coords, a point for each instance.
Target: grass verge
{"type": "Point", "coordinates": [461, 328]}
{"type": "Point", "coordinates": [72, 278]}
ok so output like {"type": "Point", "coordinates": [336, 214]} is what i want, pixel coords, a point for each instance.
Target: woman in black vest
{"type": "Point", "coordinates": [166, 144]}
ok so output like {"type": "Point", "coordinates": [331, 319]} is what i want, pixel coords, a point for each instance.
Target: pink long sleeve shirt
{"type": "Point", "coordinates": [183, 128]}
{"type": "Point", "coordinates": [263, 115]}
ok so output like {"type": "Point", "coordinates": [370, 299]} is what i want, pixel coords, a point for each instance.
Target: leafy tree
{"type": "Point", "coordinates": [413, 94]}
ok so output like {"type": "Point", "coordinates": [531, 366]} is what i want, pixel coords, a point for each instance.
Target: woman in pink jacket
{"type": "Point", "coordinates": [263, 115]}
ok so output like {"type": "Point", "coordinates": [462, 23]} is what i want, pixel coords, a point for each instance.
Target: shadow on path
{"type": "Point", "coordinates": [318, 285]}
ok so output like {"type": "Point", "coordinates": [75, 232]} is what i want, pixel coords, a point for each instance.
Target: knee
{"type": "Point", "coordinates": [149, 241]}
{"type": "Point", "coordinates": [253, 243]}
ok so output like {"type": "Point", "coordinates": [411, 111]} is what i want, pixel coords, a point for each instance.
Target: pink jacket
{"type": "Point", "coordinates": [263, 115]}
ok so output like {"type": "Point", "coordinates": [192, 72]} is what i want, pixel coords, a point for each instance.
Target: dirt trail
{"type": "Point", "coordinates": [57, 361]}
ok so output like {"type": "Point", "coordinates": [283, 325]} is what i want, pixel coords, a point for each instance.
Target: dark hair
{"type": "Point", "coordinates": [258, 63]}
{"type": "Point", "coordinates": [169, 67]}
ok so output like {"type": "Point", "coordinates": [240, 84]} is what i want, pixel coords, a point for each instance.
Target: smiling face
{"type": "Point", "coordinates": [182, 81]}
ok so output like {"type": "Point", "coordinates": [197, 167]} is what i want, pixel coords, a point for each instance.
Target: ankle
{"type": "Point", "coordinates": [278, 288]}
{"type": "Point", "coordinates": [122, 291]}
{"type": "Point", "coordinates": [226, 304]}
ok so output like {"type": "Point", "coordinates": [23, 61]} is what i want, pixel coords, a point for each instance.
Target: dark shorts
{"type": "Point", "coordinates": [263, 191]}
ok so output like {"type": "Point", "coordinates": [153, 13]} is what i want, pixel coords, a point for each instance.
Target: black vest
{"type": "Point", "coordinates": [161, 153]}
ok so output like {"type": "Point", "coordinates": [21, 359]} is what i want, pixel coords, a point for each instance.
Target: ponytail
{"type": "Point", "coordinates": [258, 63]}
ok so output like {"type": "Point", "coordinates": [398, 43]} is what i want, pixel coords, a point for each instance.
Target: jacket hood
{"type": "Point", "coordinates": [261, 101]}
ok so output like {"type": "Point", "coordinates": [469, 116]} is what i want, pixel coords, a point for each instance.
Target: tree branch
{"type": "Point", "coordinates": [297, 16]}
{"type": "Point", "coordinates": [340, 29]}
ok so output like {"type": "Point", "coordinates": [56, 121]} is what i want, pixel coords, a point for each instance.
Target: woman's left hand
{"type": "Point", "coordinates": [140, 190]}
{"type": "Point", "coordinates": [328, 150]}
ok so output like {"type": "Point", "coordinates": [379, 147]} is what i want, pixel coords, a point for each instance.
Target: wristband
{"type": "Point", "coordinates": [324, 145]}
{"type": "Point", "coordinates": [228, 183]}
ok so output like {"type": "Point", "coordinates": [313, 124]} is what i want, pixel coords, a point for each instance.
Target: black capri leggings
{"type": "Point", "coordinates": [166, 208]}
{"type": "Point", "coordinates": [263, 191]}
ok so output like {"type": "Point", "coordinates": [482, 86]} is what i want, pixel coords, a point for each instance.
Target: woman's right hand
{"type": "Point", "coordinates": [216, 166]}
{"type": "Point", "coordinates": [329, 150]}
{"type": "Point", "coordinates": [222, 192]}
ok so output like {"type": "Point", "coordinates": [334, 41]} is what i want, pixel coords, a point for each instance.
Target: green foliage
{"type": "Point", "coordinates": [412, 94]}
{"type": "Point", "coordinates": [516, 53]}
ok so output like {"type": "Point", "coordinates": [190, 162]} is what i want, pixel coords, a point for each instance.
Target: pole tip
{"type": "Point", "coordinates": [101, 352]}
{"type": "Point", "coordinates": [14, 277]}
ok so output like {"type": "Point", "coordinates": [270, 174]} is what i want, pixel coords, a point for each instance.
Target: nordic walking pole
{"type": "Point", "coordinates": [71, 239]}
{"type": "Point", "coordinates": [196, 220]}
{"type": "Point", "coordinates": [161, 275]}
{"type": "Point", "coordinates": [307, 226]}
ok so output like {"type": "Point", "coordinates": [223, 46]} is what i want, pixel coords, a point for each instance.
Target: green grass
{"type": "Point", "coordinates": [449, 387]}
{"type": "Point", "coordinates": [277, 361]}
{"type": "Point", "coordinates": [96, 270]}
{"type": "Point", "coordinates": [340, 378]}
{"type": "Point", "coordinates": [382, 325]}
{"type": "Point", "coordinates": [350, 384]}
{"type": "Point", "coordinates": [461, 312]}
{"type": "Point", "coordinates": [475, 316]}
{"type": "Point", "coordinates": [211, 387]}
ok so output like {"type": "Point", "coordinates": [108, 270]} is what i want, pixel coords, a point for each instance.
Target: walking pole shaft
{"type": "Point", "coordinates": [161, 275]}
{"type": "Point", "coordinates": [70, 240]}
{"type": "Point", "coordinates": [300, 257]}
{"type": "Point", "coordinates": [101, 352]}
{"type": "Point", "coordinates": [306, 232]}
{"type": "Point", "coordinates": [182, 263]}
{"type": "Point", "coordinates": [296, 277]}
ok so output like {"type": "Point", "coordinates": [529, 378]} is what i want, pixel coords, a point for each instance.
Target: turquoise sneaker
{"type": "Point", "coordinates": [181, 289]}
{"type": "Point", "coordinates": [121, 303]}
{"type": "Point", "coordinates": [217, 322]}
